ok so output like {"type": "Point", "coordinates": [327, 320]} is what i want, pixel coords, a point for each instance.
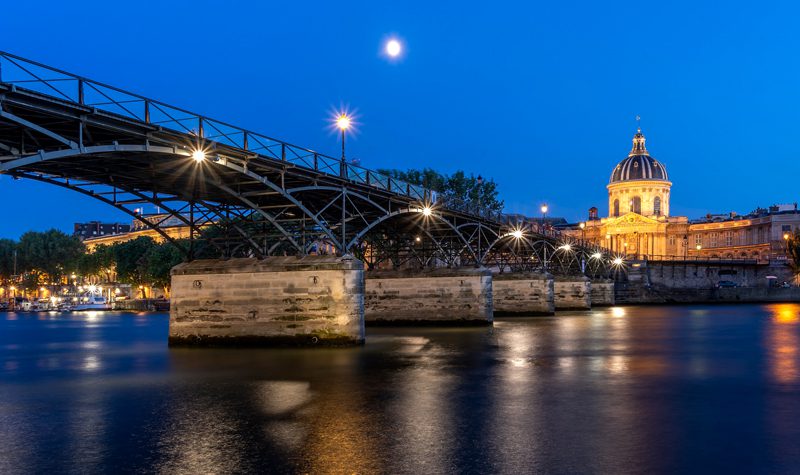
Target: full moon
{"type": "Point", "coordinates": [393, 48]}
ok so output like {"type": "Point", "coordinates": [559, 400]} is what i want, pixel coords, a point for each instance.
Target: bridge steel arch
{"type": "Point", "coordinates": [270, 196]}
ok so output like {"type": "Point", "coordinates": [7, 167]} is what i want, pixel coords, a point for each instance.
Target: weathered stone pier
{"type": "Point", "coordinates": [277, 301]}
{"type": "Point", "coordinates": [430, 296]}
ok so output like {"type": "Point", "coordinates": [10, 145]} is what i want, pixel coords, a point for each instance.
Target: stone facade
{"type": "Point", "coordinates": [314, 300]}
{"type": "Point", "coordinates": [435, 296]}
{"type": "Point", "coordinates": [572, 293]}
{"type": "Point", "coordinates": [523, 294]}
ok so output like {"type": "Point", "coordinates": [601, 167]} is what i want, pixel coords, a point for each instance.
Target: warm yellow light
{"type": "Point", "coordinates": [566, 247]}
{"type": "Point", "coordinates": [617, 261]}
{"type": "Point", "coordinates": [198, 156]}
{"type": "Point", "coordinates": [544, 208]}
{"type": "Point", "coordinates": [582, 225]}
{"type": "Point", "coordinates": [517, 233]}
{"type": "Point", "coordinates": [42, 289]}
{"type": "Point", "coordinates": [343, 122]}
{"type": "Point", "coordinates": [597, 255]}
{"type": "Point", "coordinates": [698, 247]}
{"type": "Point", "coordinates": [608, 236]}
{"type": "Point", "coordinates": [117, 291]}
{"type": "Point", "coordinates": [393, 48]}
{"type": "Point", "coordinates": [427, 211]}
{"type": "Point", "coordinates": [92, 288]}
{"type": "Point", "coordinates": [12, 288]}
{"type": "Point", "coordinates": [786, 236]}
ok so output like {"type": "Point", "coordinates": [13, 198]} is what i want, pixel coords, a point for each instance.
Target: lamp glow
{"type": "Point", "coordinates": [198, 156]}
{"type": "Point", "coordinates": [343, 122]}
{"type": "Point", "coordinates": [544, 208]}
{"type": "Point", "coordinates": [427, 211]}
{"type": "Point", "coordinates": [566, 247]}
{"type": "Point", "coordinates": [617, 261]}
{"type": "Point", "coordinates": [597, 255]}
{"type": "Point", "coordinates": [517, 233]}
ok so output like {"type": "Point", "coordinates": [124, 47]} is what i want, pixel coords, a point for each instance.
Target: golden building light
{"type": "Point", "coordinates": [517, 233]}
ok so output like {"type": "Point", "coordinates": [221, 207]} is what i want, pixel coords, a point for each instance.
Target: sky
{"type": "Point", "coordinates": [540, 96]}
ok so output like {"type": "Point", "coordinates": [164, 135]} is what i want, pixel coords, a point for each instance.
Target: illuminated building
{"type": "Point", "coordinates": [639, 223]}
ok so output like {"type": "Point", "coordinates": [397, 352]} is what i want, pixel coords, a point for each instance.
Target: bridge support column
{"type": "Point", "coordinates": [572, 292]}
{"type": "Point", "coordinates": [524, 293]}
{"type": "Point", "coordinates": [428, 297]}
{"type": "Point", "coordinates": [602, 293]}
{"type": "Point", "coordinates": [277, 301]}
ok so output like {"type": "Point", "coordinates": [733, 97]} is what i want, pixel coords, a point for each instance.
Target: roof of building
{"type": "Point", "coordinates": [639, 165]}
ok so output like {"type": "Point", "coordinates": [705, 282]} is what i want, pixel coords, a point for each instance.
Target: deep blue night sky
{"type": "Point", "coordinates": [542, 97]}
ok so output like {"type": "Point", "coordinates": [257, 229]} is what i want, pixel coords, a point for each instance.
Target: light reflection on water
{"type": "Point", "coordinates": [616, 390]}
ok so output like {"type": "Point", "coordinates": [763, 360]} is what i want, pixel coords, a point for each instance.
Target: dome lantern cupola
{"type": "Point", "coordinates": [639, 165]}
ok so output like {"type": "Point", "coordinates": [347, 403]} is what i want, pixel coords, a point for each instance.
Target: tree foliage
{"type": "Point", "coordinates": [52, 253]}
{"type": "Point", "coordinates": [793, 249]}
{"type": "Point", "coordinates": [7, 248]}
{"type": "Point", "coordinates": [458, 187]}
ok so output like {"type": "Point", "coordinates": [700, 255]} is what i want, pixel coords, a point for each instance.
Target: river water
{"type": "Point", "coordinates": [690, 389]}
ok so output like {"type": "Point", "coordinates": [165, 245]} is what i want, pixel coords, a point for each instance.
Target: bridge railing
{"type": "Point", "coordinates": [25, 74]}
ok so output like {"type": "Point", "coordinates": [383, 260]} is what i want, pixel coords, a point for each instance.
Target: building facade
{"type": "Point", "coordinates": [639, 224]}
{"type": "Point", "coordinates": [94, 229]}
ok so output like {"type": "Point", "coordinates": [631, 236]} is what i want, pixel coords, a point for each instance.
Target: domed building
{"type": "Point", "coordinates": [638, 222]}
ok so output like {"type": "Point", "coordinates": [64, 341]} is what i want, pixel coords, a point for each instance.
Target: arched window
{"type": "Point", "coordinates": [657, 206]}
{"type": "Point", "coordinates": [636, 205]}
{"type": "Point", "coordinates": [616, 208]}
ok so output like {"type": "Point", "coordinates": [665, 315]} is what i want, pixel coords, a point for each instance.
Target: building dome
{"type": "Point", "coordinates": [639, 165]}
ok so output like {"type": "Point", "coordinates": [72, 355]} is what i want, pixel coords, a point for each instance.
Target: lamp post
{"type": "Point", "coordinates": [583, 232]}
{"type": "Point", "coordinates": [343, 123]}
{"type": "Point", "coordinates": [544, 218]}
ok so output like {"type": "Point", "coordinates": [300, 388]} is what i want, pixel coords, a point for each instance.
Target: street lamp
{"type": "Point", "coordinates": [583, 231]}
{"type": "Point", "coordinates": [343, 123]}
{"type": "Point", "coordinates": [544, 216]}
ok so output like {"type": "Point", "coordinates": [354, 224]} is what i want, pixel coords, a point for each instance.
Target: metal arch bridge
{"type": "Point", "coordinates": [253, 195]}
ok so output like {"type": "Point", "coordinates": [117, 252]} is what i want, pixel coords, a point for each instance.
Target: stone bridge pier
{"type": "Point", "coordinates": [461, 296]}
{"type": "Point", "coordinates": [277, 301]}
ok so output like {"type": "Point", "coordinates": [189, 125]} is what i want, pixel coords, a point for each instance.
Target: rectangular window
{"type": "Point", "coordinates": [672, 240]}
{"type": "Point", "coordinates": [786, 227]}
{"type": "Point", "coordinates": [698, 239]}
{"type": "Point", "coordinates": [729, 238]}
{"type": "Point", "coordinates": [713, 238]}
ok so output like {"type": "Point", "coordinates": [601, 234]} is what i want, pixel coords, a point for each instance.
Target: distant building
{"type": "Point", "coordinates": [172, 226]}
{"type": "Point", "coordinates": [94, 229]}
{"type": "Point", "coordinates": [639, 224]}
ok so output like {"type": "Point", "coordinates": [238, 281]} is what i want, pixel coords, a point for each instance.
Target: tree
{"type": "Point", "coordinates": [130, 257]}
{"type": "Point", "coordinates": [99, 263]}
{"type": "Point", "coordinates": [159, 261]}
{"type": "Point", "coordinates": [793, 250]}
{"type": "Point", "coordinates": [7, 249]}
{"type": "Point", "coordinates": [51, 253]}
{"type": "Point", "coordinates": [458, 188]}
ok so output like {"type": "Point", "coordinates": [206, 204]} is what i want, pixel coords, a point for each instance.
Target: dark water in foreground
{"type": "Point", "coordinates": [627, 390]}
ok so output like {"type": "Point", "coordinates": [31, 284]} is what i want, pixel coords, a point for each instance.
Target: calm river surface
{"type": "Point", "coordinates": [623, 390]}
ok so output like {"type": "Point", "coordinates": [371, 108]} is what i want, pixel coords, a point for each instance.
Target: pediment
{"type": "Point", "coordinates": [633, 219]}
